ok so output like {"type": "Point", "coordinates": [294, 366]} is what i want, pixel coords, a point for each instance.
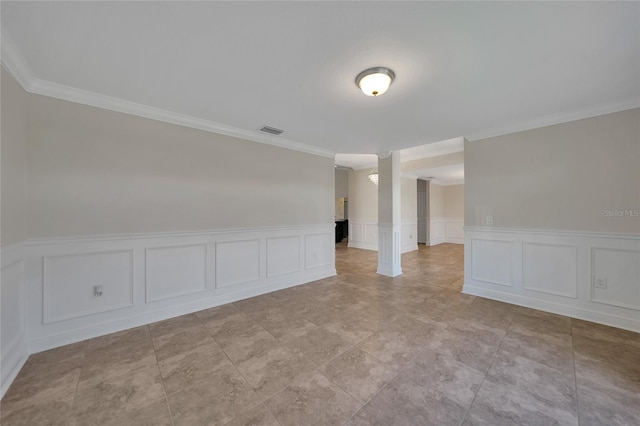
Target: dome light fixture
{"type": "Point", "coordinates": [373, 177]}
{"type": "Point", "coordinates": [375, 81]}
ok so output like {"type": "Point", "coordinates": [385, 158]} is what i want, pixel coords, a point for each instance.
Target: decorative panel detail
{"type": "Point", "coordinates": [491, 261]}
{"type": "Point", "coordinates": [283, 255]}
{"type": "Point", "coordinates": [70, 281]}
{"type": "Point", "coordinates": [615, 277]}
{"type": "Point", "coordinates": [175, 271]}
{"type": "Point", "coordinates": [318, 250]}
{"type": "Point", "coordinates": [550, 268]}
{"type": "Point", "coordinates": [237, 262]}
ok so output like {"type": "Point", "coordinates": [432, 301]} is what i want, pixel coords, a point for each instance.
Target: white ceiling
{"type": "Point", "coordinates": [463, 69]}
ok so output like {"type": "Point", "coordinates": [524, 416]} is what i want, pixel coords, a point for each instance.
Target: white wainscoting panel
{"type": "Point", "coordinates": [550, 268]}
{"type": "Point", "coordinates": [69, 282]}
{"type": "Point", "coordinates": [454, 231]}
{"type": "Point", "coordinates": [364, 235]}
{"type": "Point", "coordinates": [13, 339]}
{"type": "Point", "coordinates": [320, 250]}
{"type": "Point", "coordinates": [148, 278]}
{"type": "Point", "coordinates": [591, 276]}
{"type": "Point", "coordinates": [437, 231]}
{"type": "Point", "coordinates": [175, 271]}
{"type": "Point", "coordinates": [237, 262]}
{"type": "Point", "coordinates": [283, 255]}
{"type": "Point", "coordinates": [445, 230]}
{"type": "Point", "coordinates": [491, 261]}
{"type": "Point", "coordinates": [618, 271]}
{"type": "Point", "coordinates": [409, 237]}
{"type": "Point", "coordinates": [371, 234]}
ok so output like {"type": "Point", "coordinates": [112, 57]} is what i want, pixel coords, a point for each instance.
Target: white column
{"type": "Point", "coordinates": [389, 221]}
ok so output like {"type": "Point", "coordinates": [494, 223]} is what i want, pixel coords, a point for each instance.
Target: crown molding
{"type": "Point", "coordinates": [85, 97]}
{"type": "Point", "coordinates": [563, 117]}
{"type": "Point", "coordinates": [15, 63]}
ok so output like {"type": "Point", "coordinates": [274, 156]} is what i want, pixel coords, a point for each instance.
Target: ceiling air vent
{"type": "Point", "coordinates": [271, 130]}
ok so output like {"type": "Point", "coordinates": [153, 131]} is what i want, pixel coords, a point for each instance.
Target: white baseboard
{"type": "Point", "coordinates": [445, 230]}
{"type": "Point", "coordinates": [13, 341]}
{"type": "Point", "coordinates": [148, 278]}
{"type": "Point", "coordinates": [554, 308]}
{"type": "Point", "coordinates": [362, 245]}
{"type": "Point", "coordinates": [119, 324]}
{"type": "Point", "coordinates": [591, 276]}
{"type": "Point", "coordinates": [364, 235]}
{"type": "Point", "coordinates": [13, 360]}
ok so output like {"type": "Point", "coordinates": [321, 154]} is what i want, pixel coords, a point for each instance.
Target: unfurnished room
{"type": "Point", "coordinates": [320, 213]}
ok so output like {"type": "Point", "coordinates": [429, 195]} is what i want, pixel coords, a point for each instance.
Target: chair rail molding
{"type": "Point", "coordinates": [586, 275]}
{"type": "Point", "coordinates": [148, 278]}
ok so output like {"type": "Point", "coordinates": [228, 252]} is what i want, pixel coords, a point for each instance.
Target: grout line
{"type": "Point", "coordinates": [575, 374]}
{"type": "Point", "coordinates": [164, 388]}
{"type": "Point", "coordinates": [487, 371]}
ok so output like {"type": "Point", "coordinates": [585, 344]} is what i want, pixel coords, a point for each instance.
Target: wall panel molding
{"type": "Point", "coordinates": [171, 275]}
{"type": "Point", "coordinates": [445, 230]}
{"type": "Point", "coordinates": [173, 271]}
{"type": "Point", "coordinates": [13, 336]}
{"type": "Point", "coordinates": [68, 282]}
{"type": "Point", "coordinates": [364, 235]}
{"type": "Point", "coordinates": [586, 275]}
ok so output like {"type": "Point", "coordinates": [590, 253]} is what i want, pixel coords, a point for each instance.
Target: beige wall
{"type": "Point", "coordinates": [558, 177]}
{"type": "Point", "coordinates": [363, 197]}
{"type": "Point", "coordinates": [93, 171]}
{"type": "Point", "coordinates": [409, 209]}
{"type": "Point", "coordinates": [342, 183]}
{"type": "Point", "coordinates": [14, 156]}
{"type": "Point", "coordinates": [436, 201]}
{"type": "Point", "coordinates": [454, 201]}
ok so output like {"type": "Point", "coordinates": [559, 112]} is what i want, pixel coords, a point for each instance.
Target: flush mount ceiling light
{"type": "Point", "coordinates": [375, 81]}
{"type": "Point", "coordinates": [373, 177]}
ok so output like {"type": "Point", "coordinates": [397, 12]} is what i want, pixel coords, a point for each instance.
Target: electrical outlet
{"type": "Point", "coordinates": [489, 220]}
{"type": "Point", "coordinates": [601, 283]}
{"type": "Point", "coordinates": [97, 290]}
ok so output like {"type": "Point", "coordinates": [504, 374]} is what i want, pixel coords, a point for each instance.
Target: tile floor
{"type": "Point", "coordinates": [356, 349]}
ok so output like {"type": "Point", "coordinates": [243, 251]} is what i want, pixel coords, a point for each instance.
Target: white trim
{"type": "Point", "coordinates": [14, 352]}
{"type": "Point", "coordinates": [554, 232]}
{"type": "Point", "coordinates": [555, 308]}
{"type": "Point", "coordinates": [369, 229]}
{"type": "Point", "coordinates": [17, 66]}
{"type": "Point", "coordinates": [137, 236]}
{"type": "Point", "coordinates": [559, 118]}
{"type": "Point", "coordinates": [559, 284]}
{"type": "Point", "coordinates": [44, 335]}
{"type": "Point", "coordinates": [14, 62]}
{"type": "Point", "coordinates": [126, 322]}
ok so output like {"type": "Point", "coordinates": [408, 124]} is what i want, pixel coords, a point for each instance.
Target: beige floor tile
{"type": "Point", "coordinates": [154, 414]}
{"type": "Point", "coordinates": [358, 373]}
{"type": "Point", "coordinates": [256, 416]}
{"type": "Point", "coordinates": [180, 371]}
{"type": "Point", "coordinates": [180, 340]}
{"type": "Point", "coordinates": [600, 405]}
{"type": "Point", "coordinates": [413, 348]}
{"type": "Point", "coordinates": [312, 400]}
{"type": "Point", "coordinates": [99, 399]}
{"type": "Point", "coordinates": [319, 346]}
{"type": "Point", "coordinates": [444, 375]}
{"type": "Point", "coordinates": [506, 404]}
{"type": "Point", "coordinates": [214, 400]}
{"type": "Point", "coordinates": [404, 402]}
{"type": "Point", "coordinates": [272, 370]}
